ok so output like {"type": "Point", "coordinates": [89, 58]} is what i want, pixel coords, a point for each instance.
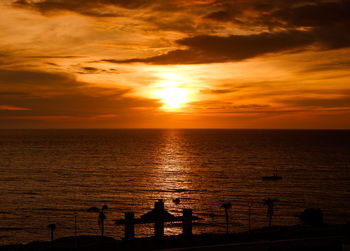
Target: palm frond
{"type": "Point", "coordinates": [269, 201]}
{"type": "Point", "coordinates": [227, 205]}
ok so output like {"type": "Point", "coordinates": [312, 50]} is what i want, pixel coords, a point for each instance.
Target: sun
{"type": "Point", "coordinates": [173, 97]}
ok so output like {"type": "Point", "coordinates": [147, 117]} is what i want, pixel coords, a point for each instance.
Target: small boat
{"type": "Point", "coordinates": [273, 177]}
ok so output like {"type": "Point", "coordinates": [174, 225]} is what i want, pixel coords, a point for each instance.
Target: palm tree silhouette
{"type": "Point", "coordinates": [101, 216]}
{"type": "Point", "coordinates": [226, 206]}
{"type": "Point", "coordinates": [270, 203]}
{"type": "Point", "coordinates": [52, 228]}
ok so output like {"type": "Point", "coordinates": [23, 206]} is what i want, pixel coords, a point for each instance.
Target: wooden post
{"type": "Point", "coordinates": [159, 229]}
{"type": "Point", "coordinates": [159, 205]}
{"type": "Point", "coordinates": [249, 215]}
{"type": "Point", "coordinates": [75, 230]}
{"type": "Point", "coordinates": [187, 223]}
{"type": "Point", "coordinates": [159, 222]}
{"type": "Point", "coordinates": [129, 226]}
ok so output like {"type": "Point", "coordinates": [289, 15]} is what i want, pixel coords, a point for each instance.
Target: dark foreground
{"type": "Point", "coordinates": [327, 237]}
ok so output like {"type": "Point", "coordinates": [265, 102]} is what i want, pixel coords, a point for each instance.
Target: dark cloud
{"type": "Point", "coordinates": [327, 21]}
{"type": "Point", "coordinates": [250, 106]}
{"type": "Point", "coordinates": [222, 16]}
{"type": "Point", "coordinates": [15, 93]}
{"type": "Point", "coordinates": [294, 13]}
{"type": "Point", "coordinates": [215, 107]}
{"type": "Point", "coordinates": [313, 15]}
{"type": "Point", "coordinates": [89, 70]}
{"type": "Point", "coordinates": [95, 70]}
{"type": "Point", "coordinates": [328, 66]}
{"type": "Point", "coordinates": [58, 94]}
{"type": "Point", "coordinates": [50, 63]}
{"type": "Point", "coordinates": [3, 54]}
{"type": "Point", "coordinates": [183, 24]}
{"type": "Point", "coordinates": [216, 91]}
{"type": "Point", "coordinates": [13, 80]}
{"type": "Point", "coordinates": [212, 49]}
{"type": "Point", "coordinates": [177, 15]}
{"type": "Point", "coordinates": [326, 102]}
{"type": "Point", "coordinates": [275, 14]}
{"type": "Point", "coordinates": [170, 15]}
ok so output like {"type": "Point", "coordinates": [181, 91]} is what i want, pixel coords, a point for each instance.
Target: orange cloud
{"type": "Point", "coordinates": [61, 118]}
{"type": "Point", "coordinates": [247, 64]}
{"type": "Point", "coordinates": [13, 108]}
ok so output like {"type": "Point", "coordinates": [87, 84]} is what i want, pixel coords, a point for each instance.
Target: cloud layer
{"type": "Point", "coordinates": [313, 25]}
{"type": "Point", "coordinates": [96, 63]}
{"type": "Point", "coordinates": [59, 96]}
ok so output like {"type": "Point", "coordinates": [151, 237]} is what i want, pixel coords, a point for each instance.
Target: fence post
{"type": "Point", "coordinates": [159, 221]}
{"type": "Point", "coordinates": [187, 223]}
{"type": "Point", "coordinates": [129, 226]}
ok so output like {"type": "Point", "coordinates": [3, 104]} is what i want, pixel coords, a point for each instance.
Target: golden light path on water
{"type": "Point", "coordinates": [172, 177]}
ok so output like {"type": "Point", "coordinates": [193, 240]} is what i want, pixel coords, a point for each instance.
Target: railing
{"type": "Point", "coordinates": [158, 216]}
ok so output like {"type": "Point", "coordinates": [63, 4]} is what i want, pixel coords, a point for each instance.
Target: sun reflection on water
{"type": "Point", "coordinates": [171, 177]}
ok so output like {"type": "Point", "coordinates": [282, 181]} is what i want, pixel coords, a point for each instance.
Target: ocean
{"type": "Point", "coordinates": [51, 176]}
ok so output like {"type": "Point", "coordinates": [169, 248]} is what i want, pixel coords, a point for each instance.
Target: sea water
{"type": "Point", "coordinates": [53, 176]}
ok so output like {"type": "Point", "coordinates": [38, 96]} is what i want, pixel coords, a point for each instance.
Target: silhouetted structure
{"type": "Point", "coordinates": [129, 229]}
{"type": "Point", "coordinates": [226, 206]}
{"type": "Point", "coordinates": [75, 230]}
{"type": "Point", "coordinates": [101, 216]}
{"type": "Point", "coordinates": [312, 216]}
{"type": "Point", "coordinates": [52, 228]}
{"type": "Point", "coordinates": [187, 223]}
{"type": "Point", "coordinates": [270, 203]}
{"type": "Point", "coordinates": [249, 214]}
{"type": "Point", "coordinates": [272, 177]}
{"type": "Point", "coordinates": [275, 176]}
{"type": "Point", "coordinates": [176, 201]}
{"type": "Point", "coordinates": [158, 216]}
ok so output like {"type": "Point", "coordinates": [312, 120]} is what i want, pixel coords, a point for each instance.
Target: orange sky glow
{"type": "Point", "coordinates": [175, 64]}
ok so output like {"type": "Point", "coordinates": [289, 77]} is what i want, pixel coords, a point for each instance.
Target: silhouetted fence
{"type": "Point", "coordinates": [158, 216]}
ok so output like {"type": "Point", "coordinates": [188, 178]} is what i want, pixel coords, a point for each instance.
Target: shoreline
{"type": "Point", "coordinates": [282, 236]}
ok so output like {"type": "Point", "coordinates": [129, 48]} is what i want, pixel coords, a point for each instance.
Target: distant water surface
{"type": "Point", "coordinates": [46, 176]}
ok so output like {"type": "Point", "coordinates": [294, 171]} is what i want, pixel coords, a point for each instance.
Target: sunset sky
{"type": "Point", "coordinates": [175, 64]}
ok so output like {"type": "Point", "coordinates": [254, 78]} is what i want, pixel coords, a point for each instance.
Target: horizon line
{"type": "Point", "coordinates": [184, 128]}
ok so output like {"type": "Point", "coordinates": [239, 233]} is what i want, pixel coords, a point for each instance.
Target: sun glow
{"type": "Point", "coordinates": [173, 97]}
